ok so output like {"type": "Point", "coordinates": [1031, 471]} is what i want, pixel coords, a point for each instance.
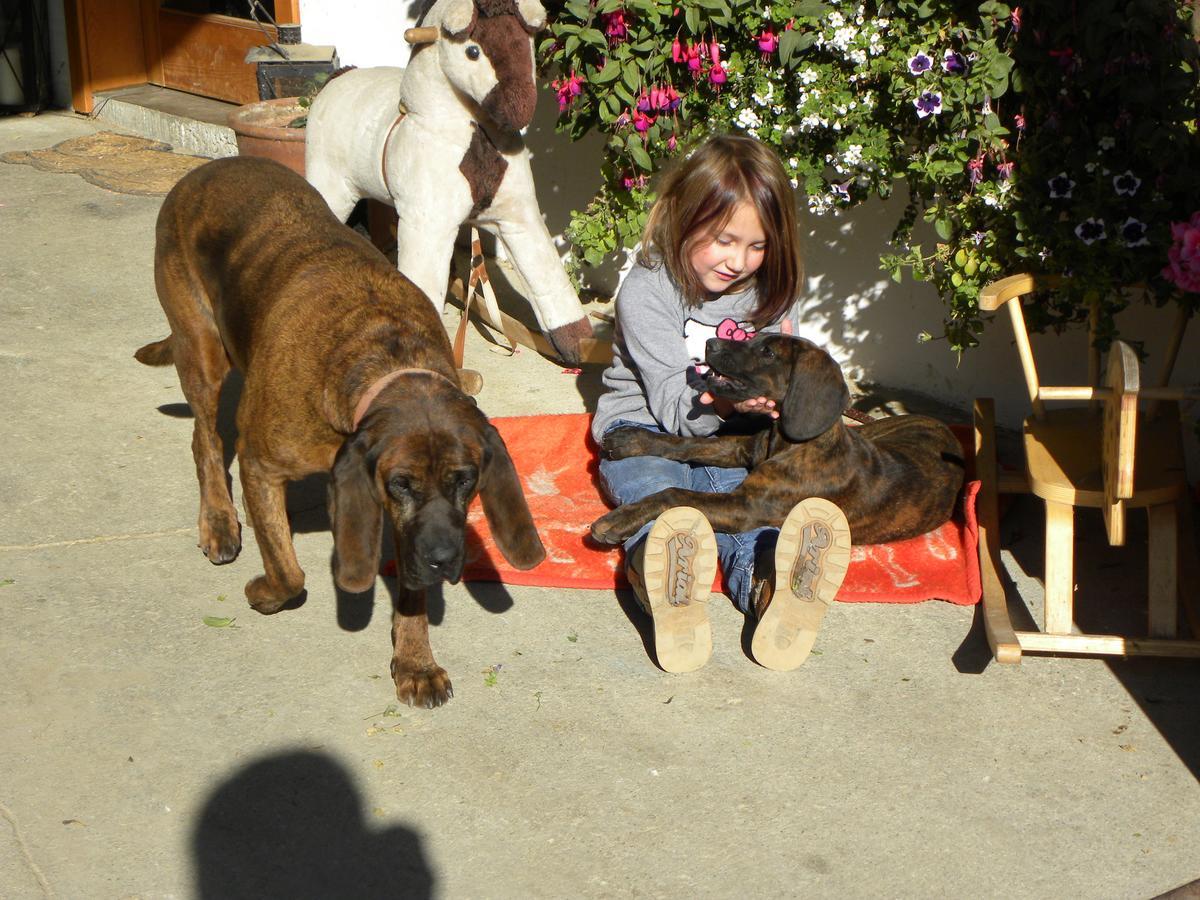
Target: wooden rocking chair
{"type": "Point", "coordinates": [1105, 454]}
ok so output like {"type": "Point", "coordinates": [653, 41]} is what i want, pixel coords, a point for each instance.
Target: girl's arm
{"type": "Point", "coordinates": [652, 314]}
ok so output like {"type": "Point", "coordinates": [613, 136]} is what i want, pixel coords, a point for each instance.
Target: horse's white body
{"type": "Point", "coordinates": [359, 145]}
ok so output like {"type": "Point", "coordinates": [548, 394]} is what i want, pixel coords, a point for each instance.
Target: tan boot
{"type": "Point", "coordinates": [671, 574]}
{"type": "Point", "coordinates": [811, 558]}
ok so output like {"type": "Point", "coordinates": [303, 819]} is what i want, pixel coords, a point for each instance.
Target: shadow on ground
{"type": "Point", "coordinates": [1164, 689]}
{"type": "Point", "coordinates": [292, 825]}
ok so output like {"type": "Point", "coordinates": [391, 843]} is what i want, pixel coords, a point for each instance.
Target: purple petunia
{"type": "Point", "coordinates": [953, 62]}
{"type": "Point", "coordinates": [1133, 233]}
{"type": "Point", "coordinates": [928, 104]}
{"type": "Point", "coordinates": [920, 63]}
{"type": "Point", "coordinates": [1126, 183]}
{"type": "Point", "coordinates": [1060, 186]}
{"type": "Point", "coordinates": [1090, 230]}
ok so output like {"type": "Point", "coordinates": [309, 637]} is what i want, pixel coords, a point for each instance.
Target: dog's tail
{"type": "Point", "coordinates": [156, 354]}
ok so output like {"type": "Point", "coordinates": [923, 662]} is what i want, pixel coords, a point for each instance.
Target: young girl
{"type": "Point", "coordinates": [720, 258]}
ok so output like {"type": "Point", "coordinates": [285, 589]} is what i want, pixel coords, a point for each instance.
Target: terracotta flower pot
{"type": "Point", "coordinates": [262, 130]}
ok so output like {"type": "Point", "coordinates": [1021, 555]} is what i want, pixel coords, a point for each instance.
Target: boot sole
{"type": "Point", "coordinates": [811, 559]}
{"type": "Point", "coordinates": [679, 563]}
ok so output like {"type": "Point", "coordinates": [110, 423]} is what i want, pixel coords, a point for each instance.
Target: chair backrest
{"type": "Point", "coordinates": [1117, 397]}
{"type": "Point", "coordinates": [1009, 291]}
{"type": "Point", "coordinates": [1119, 437]}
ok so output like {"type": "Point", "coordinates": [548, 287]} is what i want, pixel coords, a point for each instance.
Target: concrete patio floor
{"type": "Point", "coordinates": [145, 754]}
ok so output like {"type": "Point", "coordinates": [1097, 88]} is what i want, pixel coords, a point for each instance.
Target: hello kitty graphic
{"type": "Point", "coordinates": [697, 334]}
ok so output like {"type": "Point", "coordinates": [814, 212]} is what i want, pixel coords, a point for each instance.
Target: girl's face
{"type": "Point", "coordinates": [725, 262]}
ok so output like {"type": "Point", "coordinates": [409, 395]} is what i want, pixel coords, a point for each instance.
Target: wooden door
{"type": "Point", "coordinates": [106, 47]}
{"type": "Point", "coordinates": [202, 52]}
{"type": "Point", "coordinates": [180, 44]}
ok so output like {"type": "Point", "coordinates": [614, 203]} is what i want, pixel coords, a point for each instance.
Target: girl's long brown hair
{"type": "Point", "coordinates": [696, 200]}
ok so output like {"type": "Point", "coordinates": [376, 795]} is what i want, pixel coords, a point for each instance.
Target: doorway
{"type": "Point", "coordinates": [197, 46]}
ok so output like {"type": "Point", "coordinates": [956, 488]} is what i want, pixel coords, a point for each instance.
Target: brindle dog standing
{"type": "Point", "coordinates": [347, 369]}
{"type": "Point", "coordinates": [894, 478]}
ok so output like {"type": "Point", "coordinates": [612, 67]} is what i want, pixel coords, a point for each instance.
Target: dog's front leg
{"type": "Point", "coordinates": [265, 497]}
{"type": "Point", "coordinates": [732, 513]}
{"type": "Point", "coordinates": [726, 451]}
{"type": "Point", "coordinates": [420, 681]}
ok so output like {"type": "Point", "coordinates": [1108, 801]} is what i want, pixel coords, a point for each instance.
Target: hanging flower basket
{"type": "Point", "coordinates": [264, 129]}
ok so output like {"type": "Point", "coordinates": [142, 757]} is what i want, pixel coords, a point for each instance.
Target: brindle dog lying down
{"type": "Point", "coordinates": [348, 370]}
{"type": "Point", "coordinates": [894, 478]}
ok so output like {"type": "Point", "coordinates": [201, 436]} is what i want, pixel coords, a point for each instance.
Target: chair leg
{"type": "Point", "coordinates": [1060, 567]}
{"type": "Point", "coordinates": [1164, 570]}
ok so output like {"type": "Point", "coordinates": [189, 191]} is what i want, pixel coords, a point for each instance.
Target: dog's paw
{"type": "Point", "coordinates": [627, 441]}
{"type": "Point", "coordinates": [267, 598]}
{"type": "Point", "coordinates": [612, 528]}
{"type": "Point", "coordinates": [428, 687]}
{"type": "Point", "coordinates": [220, 538]}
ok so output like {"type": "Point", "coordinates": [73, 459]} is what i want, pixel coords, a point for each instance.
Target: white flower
{"type": "Point", "coordinates": [748, 119]}
{"type": "Point", "coordinates": [836, 20]}
{"type": "Point", "coordinates": [853, 155]}
{"type": "Point", "coordinates": [1107, 143]}
{"type": "Point", "coordinates": [808, 76]}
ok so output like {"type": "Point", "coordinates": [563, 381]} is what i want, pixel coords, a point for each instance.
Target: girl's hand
{"type": "Point", "coordinates": [725, 408]}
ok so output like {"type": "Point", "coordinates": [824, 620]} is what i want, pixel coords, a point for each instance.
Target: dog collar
{"type": "Point", "coordinates": [374, 390]}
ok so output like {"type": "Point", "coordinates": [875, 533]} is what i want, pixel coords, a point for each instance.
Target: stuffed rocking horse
{"type": "Point", "coordinates": [441, 141]}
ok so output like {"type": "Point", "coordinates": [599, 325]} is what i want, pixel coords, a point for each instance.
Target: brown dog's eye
{"type": "Point", "coordinates": [766, 352]}
{"type": "Point", "coordinates": [463, 479]}
{"type": "Point", "coordinates": [400, 487]}
{"type": "Point", "coordinates": [472, 52]}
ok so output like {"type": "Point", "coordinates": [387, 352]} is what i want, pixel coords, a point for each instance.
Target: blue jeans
{"type": "Point", "coordinates": [627, 480]}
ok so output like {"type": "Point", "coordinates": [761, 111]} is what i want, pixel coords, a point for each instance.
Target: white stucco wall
{"type": "Point", "coordinates": [365, 32]}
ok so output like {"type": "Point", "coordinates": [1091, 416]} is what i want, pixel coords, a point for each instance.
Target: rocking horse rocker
{"type": "Point", "coordinates": [441, 141]}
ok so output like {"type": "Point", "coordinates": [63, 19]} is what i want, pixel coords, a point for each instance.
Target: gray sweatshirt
{"type": "Point", "coordinates": [657, 341]}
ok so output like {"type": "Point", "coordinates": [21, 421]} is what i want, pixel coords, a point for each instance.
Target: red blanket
{"type": "Point", "coordinates": [558, 461]}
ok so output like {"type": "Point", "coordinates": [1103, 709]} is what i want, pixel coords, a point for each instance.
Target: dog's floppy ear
{"type": "Point", "coordinates": [504, 505]}
{"type": "Point", "coordinates": [816, 394]}
{"type": "Point", "coordinates": [356, 516]}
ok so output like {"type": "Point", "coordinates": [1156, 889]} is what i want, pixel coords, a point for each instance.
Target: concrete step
{"type": "Point", "coordinates": [189, 123]}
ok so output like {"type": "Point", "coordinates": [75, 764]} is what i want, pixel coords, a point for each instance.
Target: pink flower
{"type": "Point", "coordinates": [975, 170]}
{"type": "Point", "coordinates": [768, 42]}
{"type": "Point", "coordinates": [672, 98]}
{"type": "Point", "coordinates": [1005, 169]}
{"type": "Point", "coordinates": [614, 26]}
{"type": "Point", "coordinates": [567, 90]}
{"type": "Point", "coordinates": [671, 143]}
{"type": "Point", "coordinates": [717, 74]}
{"type": "Point", "coordinates": [714, 52]}
{"type": "Point", "coordinates": [693, 59]}
{"type": "Point", "coordinates": [1183, 266]}
{"type": "Point", "coordinates": [642, 122]}
{"type": "Point", "coordinates": [678, 54]}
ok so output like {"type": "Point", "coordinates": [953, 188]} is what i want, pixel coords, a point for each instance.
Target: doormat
{"type": "Point", "coordinates": [558, 463]}
{"type": "Point", "coordinates": [115, 162]}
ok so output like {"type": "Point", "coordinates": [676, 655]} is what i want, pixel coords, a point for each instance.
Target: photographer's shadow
{"type": "Point", "coordinates": [291, 826]}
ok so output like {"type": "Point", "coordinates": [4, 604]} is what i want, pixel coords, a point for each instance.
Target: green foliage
{"type": "Point", "coordinates": [972, 108]}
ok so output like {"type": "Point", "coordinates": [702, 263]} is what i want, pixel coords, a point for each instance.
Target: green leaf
{"type": "Point", "coordinates": [640, 156]}
{"type": "Point", "coordinates": [219, 621]}
{"type": "Point", "coordinates": [605, 75]}
{"type": "Point", "coordinates": [691, 17]}
{"type": "Point", "coordinates": [943, 228]}
{"type": "Point", "coordinates": [593, 37]}
{"type": "Point", "coordinates": [631, 75]}
{"type": "Point", "coordinates": [577, 9]}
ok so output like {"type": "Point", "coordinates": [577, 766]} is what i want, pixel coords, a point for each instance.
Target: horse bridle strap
{"type": "Point", "coordinates": [369, 395]}
{"type": "Point", "coordinates": [386, 140]}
